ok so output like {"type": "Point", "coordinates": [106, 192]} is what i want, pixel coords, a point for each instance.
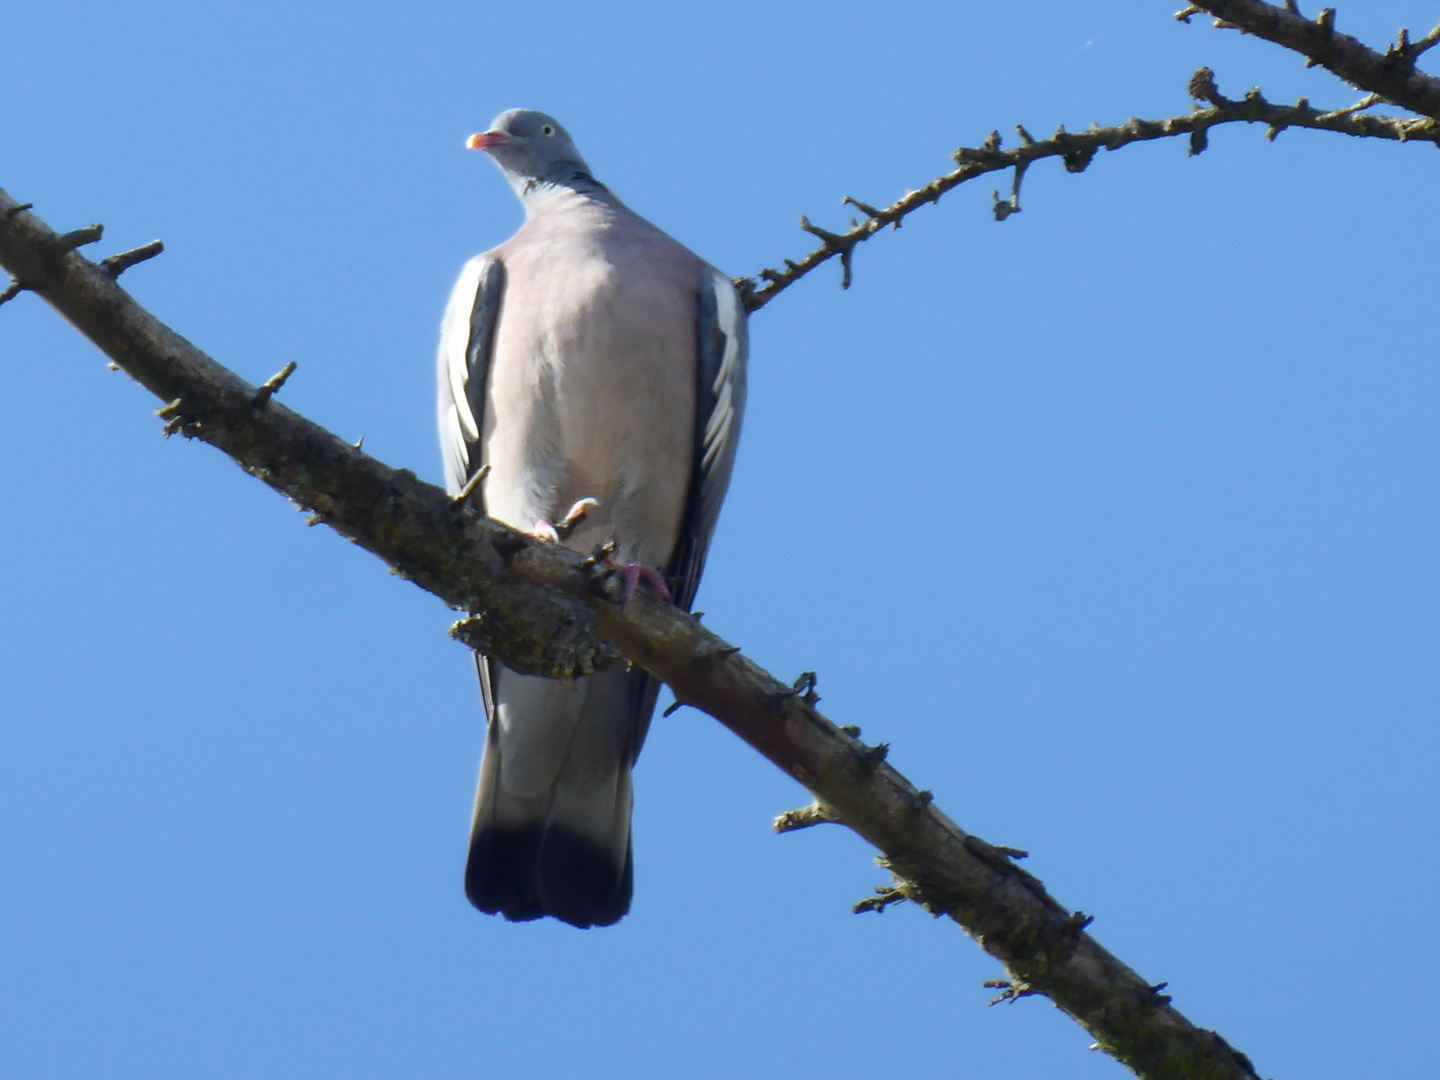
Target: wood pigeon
{"type": "Point", "coordinates": [596, 366]}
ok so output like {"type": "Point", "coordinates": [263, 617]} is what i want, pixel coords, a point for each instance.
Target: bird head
{"type": "Point", "coordinates": [531, 149]}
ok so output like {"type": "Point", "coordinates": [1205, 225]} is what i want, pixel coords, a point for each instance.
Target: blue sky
{"type": "Point", "coordinates": [1118, 520]}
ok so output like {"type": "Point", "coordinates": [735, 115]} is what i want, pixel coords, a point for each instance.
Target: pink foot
{"type": "Point", "coordinates": [631, 574]}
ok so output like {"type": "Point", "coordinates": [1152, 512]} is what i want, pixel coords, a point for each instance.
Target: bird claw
{"type": "Point", "coordinates": [575, 516]}
{"type": "Point", "coordinates": [549, 533]}
{"type": "Point", "coordinates": [579, 510]}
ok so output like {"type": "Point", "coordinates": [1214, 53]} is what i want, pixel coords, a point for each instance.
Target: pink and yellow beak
{"type": "Point", "coordinates": [486, 140]}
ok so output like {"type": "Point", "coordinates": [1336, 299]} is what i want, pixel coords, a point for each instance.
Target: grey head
{"type": "Point", "coordinates": [533, 151]}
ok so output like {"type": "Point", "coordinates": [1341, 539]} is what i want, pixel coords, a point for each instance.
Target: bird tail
{"type": "Point", "coordinates": [551, 829]}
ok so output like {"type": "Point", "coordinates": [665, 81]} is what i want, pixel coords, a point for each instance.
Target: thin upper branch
{"type": "Point", "coordinates": [1077, 150]}
{"type": "Point", "coordinates": [549, 610]}
{"type": "Point", "coordinates": [1391, 74]}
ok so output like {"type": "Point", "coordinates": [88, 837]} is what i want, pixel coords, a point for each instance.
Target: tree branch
{"type": "Point", "coordinates": [1077, 150]}
{"type": "Point", "coordinates": [545, 609]}
{"type": "Point", "coordinates": [1391, 74]}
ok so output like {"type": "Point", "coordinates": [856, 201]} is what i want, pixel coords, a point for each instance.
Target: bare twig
{"type": "Point", "coordinates": [1011, 990]}
{"type": "Point", "coordinates": [470, 485]}
{"type": "Point", "coordinates": [1076, 150]}
{"type": "Point", "coordinates": [803, 688]}
{"type": "Point", "coordinates": [1005, 207]}
{"type": "Point", "coordinates": [1391, 74]}
{"type": "Point", "coordinates": [266, 390]}
{"type": "Point", "coordinates": [807, 817]}
{"type": "Point", "coordinates": [69, 241]}
{"type": "Point", "coordinates": [1369, 101]}
{"type": "Point", "coordinates": [118, 264]}
{"type": "Point", "coordinates": [1424, 45]}
{"type": "Point", "coordinates": [885, 896]}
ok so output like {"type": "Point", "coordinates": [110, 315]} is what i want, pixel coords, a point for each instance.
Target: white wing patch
{"type": "Point", "coordinates": [459, 427]}
{"type": "Point", "coordinates": [730, 319]}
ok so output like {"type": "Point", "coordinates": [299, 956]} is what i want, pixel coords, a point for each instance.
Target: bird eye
{"type": "Point", "coordinates": [547, 129]}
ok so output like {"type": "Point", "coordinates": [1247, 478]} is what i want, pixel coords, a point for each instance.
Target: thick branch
{"type": "Point", "coordinates": [1391, 74]}
{"type": "Point", "coordinates": [1077, 150]}
{"type": "Point", "coordinates": [539, 603]}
